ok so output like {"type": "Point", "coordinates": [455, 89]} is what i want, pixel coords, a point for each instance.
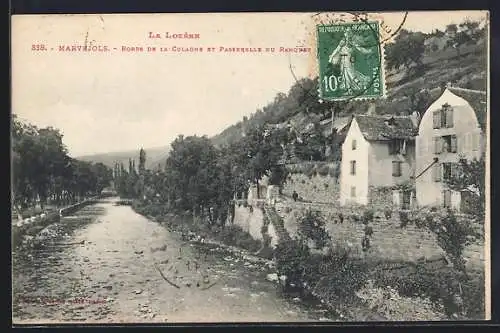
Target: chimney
{"type": "Point", "coordinates": [371, 109]}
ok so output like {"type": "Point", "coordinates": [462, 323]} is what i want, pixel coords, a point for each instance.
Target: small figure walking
{"type": "Point", "coordinates": [295, 196]}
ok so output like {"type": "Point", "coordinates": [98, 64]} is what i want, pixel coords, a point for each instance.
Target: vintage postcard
{"type": "Point", "coordinates": [250, 167]}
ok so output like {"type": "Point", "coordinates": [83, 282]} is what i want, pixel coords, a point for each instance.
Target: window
{"type": "Point", "coordinates": [447, 198]}
{"type": "Point", "coordinates": [436, 119]}
{"type": "Point", "coordinates": [450, 170]}
{"type": "Point", "coordinates": [447, 143]}
{"type": "Point", "coordinates": [353, 167]}
{"type": "Point", "coordinates": [396, 147]}
{"type": "Point", "coordinates": [438, 145]}
{"type": "Point", "coordinates": [443, 118]}
{"type": "Point", "coordinates": [446, 171]}
{"type": "Point", "coordinates": [396, 168]}
{"type": "Point", "coordinates": [353, 191]}
{"type": "Point", "coordinates": [353, 144]}
{"type": "Point", "coordinates": [447, 116]}
{"type": "Point", "coordinates": [436, 173]}
{"type": "Point", "coordinates": [475, 141]}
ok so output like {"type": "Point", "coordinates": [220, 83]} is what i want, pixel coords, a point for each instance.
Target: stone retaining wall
{"type": "Point", "coordinates": [388, 242]}
{"type": "Point", "coordinates": [251, 220]}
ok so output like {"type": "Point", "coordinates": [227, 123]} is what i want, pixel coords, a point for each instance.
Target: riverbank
{"type": "Point", "coordinates": [32, 226]}
{"type": "Point", "coordinates": [112, 265]}
{"type": "Point", "coordinates": [351, 309]}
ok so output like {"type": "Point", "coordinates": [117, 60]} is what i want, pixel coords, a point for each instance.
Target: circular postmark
{"type": "Point", "coordinates": [362, 32]}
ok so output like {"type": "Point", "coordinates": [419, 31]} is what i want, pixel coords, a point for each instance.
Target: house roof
{"type": "Point", "coordinates": [477, 100]}
{"type": "Point", "coordinates": [380, 128]}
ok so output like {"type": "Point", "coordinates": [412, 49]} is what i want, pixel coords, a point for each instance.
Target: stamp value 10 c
{"type": "Point", "coordinates": [350, 61]}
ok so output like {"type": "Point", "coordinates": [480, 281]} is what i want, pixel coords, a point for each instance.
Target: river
{"type": "Point", "coordinates": [105, 264]}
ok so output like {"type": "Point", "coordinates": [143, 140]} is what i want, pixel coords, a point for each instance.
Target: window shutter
{"type": "Point", "coordinates": [437, 145]}
{"type": "Point", "coordinates": [436, 119]}
{"type": "Point", "coordinates": [436, 172]}
{"type": "Point", "coordinates": [453, 143]}
{"type": "Point", "coordinates": [454, 170]}
{"type": "Point", "coordinates": [475, 141]}
{"type": "Point", "coordinates": [449, 117]}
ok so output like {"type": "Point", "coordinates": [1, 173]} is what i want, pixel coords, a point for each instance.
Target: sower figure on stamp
{"type": "Point", "coordinates": [343, 58]}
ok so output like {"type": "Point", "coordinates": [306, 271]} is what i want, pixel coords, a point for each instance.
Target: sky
{"type": "Point", "coordinates": [119, 101]}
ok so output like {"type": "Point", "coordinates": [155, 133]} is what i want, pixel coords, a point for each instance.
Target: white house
{"type": "Point", "coordinates": [378, 154]}
{"type": "Point", "coordinates": [451, 128]}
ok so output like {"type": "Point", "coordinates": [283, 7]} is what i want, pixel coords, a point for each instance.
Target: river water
{"type": "Point", "coordinates": [107, 263]}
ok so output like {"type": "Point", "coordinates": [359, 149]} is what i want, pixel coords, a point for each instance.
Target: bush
{"type": "Point", "coordinates": [336, 273]}
{"type": "Point", "coordinates": [368, 231]}
{"type": "Point", "coordinates": [388, 213]}
{"type": "Point", "coordinates": [234, 235]}
{"type": "Point", "coordinates": [389, 303]}
{"type": "Point", "coordinates": [324, 170]}
{"type": "Point", "coordinates": [312, 226]}
{"type": "Point", "coordinates": [439, 285]}
{"type": "Point", "coordinates": [291, 258]}
{"type": "Point", "coordinates": [368, 216]}
{"type": "Point", "coordinates": [403, 219]}
{"type": "Point", "coordinates": [452, 233]}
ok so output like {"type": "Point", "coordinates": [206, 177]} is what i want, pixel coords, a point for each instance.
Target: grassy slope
{"type": "Point", "coordinates": [467, 70]}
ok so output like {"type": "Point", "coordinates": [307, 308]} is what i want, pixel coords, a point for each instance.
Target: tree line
{"type": "Point", "coordinates": [43, 172]}
{"type": "Point", "coordinates": [202, 178]}
{"type": "Point", "coordinates": [408, 48]}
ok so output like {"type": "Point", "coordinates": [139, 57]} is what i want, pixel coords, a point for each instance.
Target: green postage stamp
{"type": "Point", "coordinates": [350, 61]}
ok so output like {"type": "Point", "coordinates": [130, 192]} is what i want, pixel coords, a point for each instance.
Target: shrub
{"type": "Point", "coordinates": [368, 216]}
{"type": "Point", "coordinates": [312, 226]}
{"type": "Point", "coordinates": [439, 285]}
{"type": "Point", "coordinates": [324, 170]}
{"type": "Point", "coordinates": [388, 213]}
{"type": "Point", "coordinates": [291, 258]}
{"type": "Point", "coordinates": [368, 231]}
{"type": "Point", "coordinates": [403, 219]}
{"type": "Point", "coordinates": [452, 233]}
{"type": "Point", "coordinates": [248, 243]}
{"type": "Point", "coordinates": [389, 303]}
{"type": "Point", "coordinates": [234, 235]}
{"type": "Point", "coordinates": [336, 273]}
{"type": "Point", "coordinates": [326, 185]}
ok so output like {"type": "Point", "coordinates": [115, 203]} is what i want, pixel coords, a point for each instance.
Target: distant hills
{"type": "Point", "coordinates": [154, 157]}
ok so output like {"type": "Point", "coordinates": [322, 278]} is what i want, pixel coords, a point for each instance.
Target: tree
{"type": "Point", "coordinates": [406, 51]}
{"type": "Point", "coordinates": [466, 33]}
{"type": "Point", "coordinates": [451, 29]}
{"type": "Point", "coordinates": [191, 174]}
{"type": "Point", "coordinates": [470, 178]}
{"type": "Point", "coordinates": [142, 161]}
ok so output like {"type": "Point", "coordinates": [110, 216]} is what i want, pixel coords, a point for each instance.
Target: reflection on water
{"type": "Point", "coordinates": [107, 263]}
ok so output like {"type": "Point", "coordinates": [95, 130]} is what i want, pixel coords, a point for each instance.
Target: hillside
{"type": "Point", "coordinates": [464, 66]}
{"type": "Point", "coordinates": [154, 156]}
